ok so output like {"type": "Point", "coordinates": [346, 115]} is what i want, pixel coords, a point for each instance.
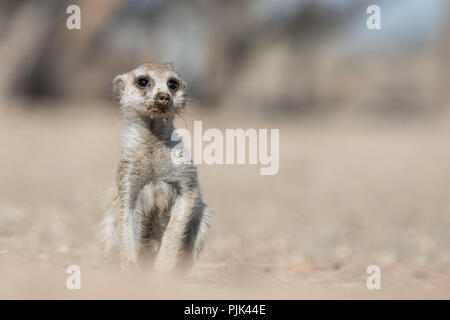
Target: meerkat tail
{"type": "Point", "coordinates": [108, 234]}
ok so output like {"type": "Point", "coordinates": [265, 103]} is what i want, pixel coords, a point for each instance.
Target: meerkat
{"type": "Point", "coordinates": [155, 207]}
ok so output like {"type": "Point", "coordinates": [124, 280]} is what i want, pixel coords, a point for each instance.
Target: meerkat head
{"type": "Point", "coordinates": [153, 90]}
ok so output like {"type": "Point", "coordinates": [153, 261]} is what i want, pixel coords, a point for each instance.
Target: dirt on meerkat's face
{"type": "Point", "coordinates": [154, 90]}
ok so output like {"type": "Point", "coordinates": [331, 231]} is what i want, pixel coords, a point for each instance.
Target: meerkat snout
{"type": "Point", "coordinates": [162, 99]}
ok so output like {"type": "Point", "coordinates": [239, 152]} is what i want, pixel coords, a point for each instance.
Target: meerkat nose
{"type": "Point", "coordinates": [162, 99]}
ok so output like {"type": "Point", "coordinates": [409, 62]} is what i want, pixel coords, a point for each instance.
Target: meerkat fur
{"type": "Point", "coordinates": [155, 209]}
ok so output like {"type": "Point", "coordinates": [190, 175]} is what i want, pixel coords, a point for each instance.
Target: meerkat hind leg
{"type": "Point", "coordinates": [185, 234]}
{"type": "Point", "coordinates": [197, 229]}
{"type": "Point", "coordinates": [154, 203]}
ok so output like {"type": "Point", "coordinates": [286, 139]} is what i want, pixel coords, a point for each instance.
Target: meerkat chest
{"type": "Point", "coordinates": [154, 159]}
{"type": "Point", "coordinates": [149, 159]}
{"type": "Point", "coordinates": [152, 162]}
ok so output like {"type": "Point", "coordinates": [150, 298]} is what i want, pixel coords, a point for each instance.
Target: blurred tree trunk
{"type": "Point", "coordinates": [44, 57]}
{"type": "Point", "coordinates": [24, 42]}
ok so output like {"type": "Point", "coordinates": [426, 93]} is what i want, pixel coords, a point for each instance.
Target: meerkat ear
{"type": "Point", "coordinates": [118, 87]}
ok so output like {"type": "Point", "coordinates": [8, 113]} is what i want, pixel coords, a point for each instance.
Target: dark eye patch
{"type": "Point", "coordinates": [173, 84]}
{"type": "Point", "coordinates": [143, 82]}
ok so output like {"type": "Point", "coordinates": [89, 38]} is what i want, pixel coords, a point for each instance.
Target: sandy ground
{"type": "Point", "coordinates": [348, 195]}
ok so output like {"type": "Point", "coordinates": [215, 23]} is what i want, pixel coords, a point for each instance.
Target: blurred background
{"type": "Point", "coordinates": [281, 57]}
{"type": "Point", "coordinates": [363, 117]}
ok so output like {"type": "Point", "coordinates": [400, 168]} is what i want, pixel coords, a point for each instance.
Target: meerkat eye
{"type": "Point", "coordinates": [143, 82]}
{"type": "Point", "coordinates": [173, 84]}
